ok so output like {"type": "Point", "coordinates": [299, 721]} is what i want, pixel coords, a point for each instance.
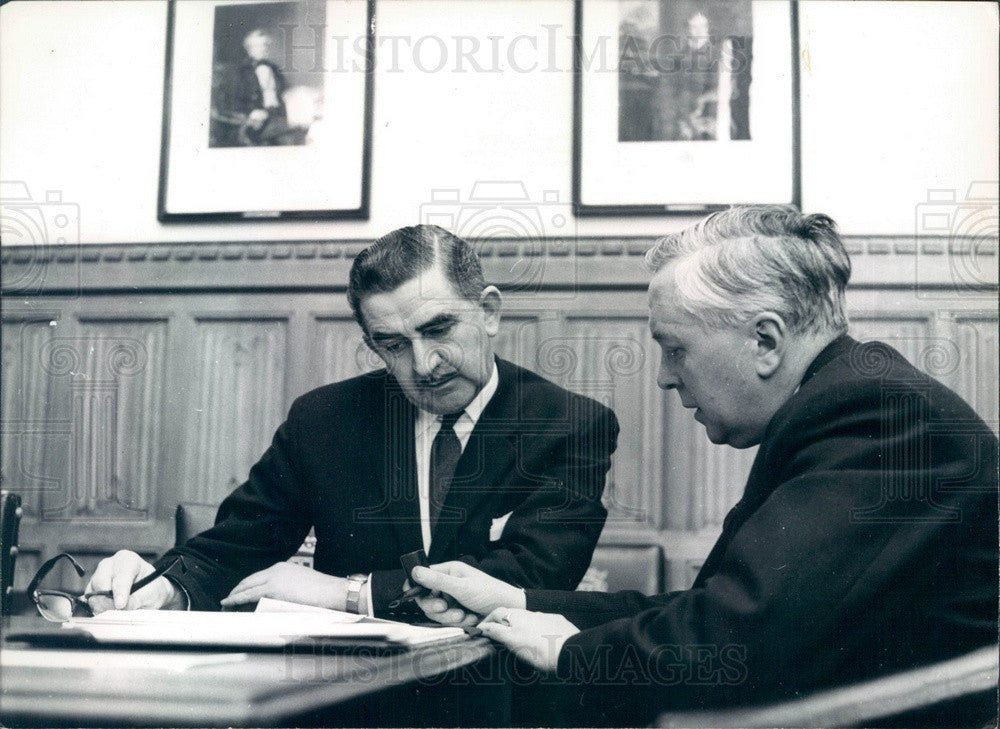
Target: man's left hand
{"type": "Point", "coordinates": [292, 582]}
{"type": "Point", "coordinates": [533, 637]}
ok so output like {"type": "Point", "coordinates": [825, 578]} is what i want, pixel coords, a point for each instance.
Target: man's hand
{"type": "Point", "coordinates": [533, 637]}
{"type": "Point", "coordinates": [477, 592]}
{"type": "Point", "coordinates": [442, 609]}
{"type": "Point", "coordinates": [118, 573]}
{"type": "Point", "coordinates": [292, 582]}
{"type": "Point", "coordinates": [256, 118]}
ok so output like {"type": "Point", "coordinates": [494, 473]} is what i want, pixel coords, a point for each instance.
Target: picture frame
{"type": "Point", "coordinates": [267, 110]}
{"type": "Point", "coordinates": [651, 136]}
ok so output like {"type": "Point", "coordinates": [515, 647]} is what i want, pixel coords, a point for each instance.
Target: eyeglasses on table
{"type": "Point", "coordinates": [59, 606]}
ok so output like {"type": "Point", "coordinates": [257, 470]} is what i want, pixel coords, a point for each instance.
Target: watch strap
{"type": "Point", "coordinates": [355, 584]}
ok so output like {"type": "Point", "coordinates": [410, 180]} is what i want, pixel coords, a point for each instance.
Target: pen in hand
{"type": "Point", "coordinates": [139, 584]}
{"type": "Point", "coordinates": [409, 596]}
{"type": "Point", "coordinates": [409, 561]}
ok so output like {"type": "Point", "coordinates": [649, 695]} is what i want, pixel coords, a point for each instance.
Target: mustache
{"type": "Point", "coordinates": [435, 380]}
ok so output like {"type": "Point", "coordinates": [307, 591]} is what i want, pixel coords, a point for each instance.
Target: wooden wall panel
{"type": "Point", "coordinates": [977, 381]}
{"type": "Point", "coordinates": [339, 350]}
{"type": "Point", "coordinates": [709, 478]}
{"type": "Point", "coordinates": [238, 399]}
{"type": "Point", "coordinates": [518, 338]}
{"type": "Point", "coordinates": [108, 439]}
{"type": "Point", "coordinates": [911, 333]}
{"type": "Point", "coordinates": [25, 394]}
{"type": "Point", "coordinates": [114, 371]}
{"type": "Point", "coordinates": [957, 348]}
{"type": "Point", "coordinates": [608, 358]}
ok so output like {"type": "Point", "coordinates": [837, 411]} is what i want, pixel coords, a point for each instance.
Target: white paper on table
{"type": "Point", "coordinates": [258, 629]}
{"type": "Point", "coordinates": [272, 605]}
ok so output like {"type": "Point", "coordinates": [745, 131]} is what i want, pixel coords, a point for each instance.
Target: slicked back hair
{"type": "Point", "coordinates": [399, 256]}
{"type": "Point", "coordinates": [739, 262]}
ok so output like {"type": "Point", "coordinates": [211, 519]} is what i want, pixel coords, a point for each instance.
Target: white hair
{"type": "Point", "coordinates": [739, 262]}
{"type": "Point", "coordinates": [255, 33]}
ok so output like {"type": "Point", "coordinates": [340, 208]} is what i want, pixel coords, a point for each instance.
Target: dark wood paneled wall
{"type": "Point", "coordinates": [139, 377]}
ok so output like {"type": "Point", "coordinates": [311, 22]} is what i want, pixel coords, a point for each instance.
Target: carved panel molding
{"type": "Point", "coordinates": [969, 264]}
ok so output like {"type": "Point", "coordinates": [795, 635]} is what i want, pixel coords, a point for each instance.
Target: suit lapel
{"type": "Point", "coordinates": [489, 453]}
{"type": "Point", "coordinates": [400, 504]}
{"type": "Point", "coordinates": [732, 523]}
{"type": "Point", "coordinates": [762, 479]}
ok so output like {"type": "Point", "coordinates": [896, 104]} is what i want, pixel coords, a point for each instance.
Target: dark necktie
{"type": "Point", "coordinates": [445, 452]}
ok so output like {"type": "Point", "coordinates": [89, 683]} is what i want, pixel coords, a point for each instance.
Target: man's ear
{"type": "Point", "coordinates": [770, 339]}
{"type": "Point", "coordinates": [491, 302]}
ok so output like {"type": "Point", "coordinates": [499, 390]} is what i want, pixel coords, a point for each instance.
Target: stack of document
{"type": "Point", "coordinates": [274, 625]}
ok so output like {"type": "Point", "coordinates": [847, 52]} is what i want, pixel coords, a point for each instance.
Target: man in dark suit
{"type": "Point", "coordinates": [449, 449]}
{"type": "Point", "coordinates": [249, 103]}
{"type": "Point", "coordinates": [865, 541]}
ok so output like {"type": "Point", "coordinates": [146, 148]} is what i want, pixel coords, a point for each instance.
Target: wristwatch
{"type": "Point", "coordinates": [355, 584]}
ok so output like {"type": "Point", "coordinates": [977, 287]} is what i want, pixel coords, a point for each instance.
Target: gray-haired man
{"type": "Point", "coordinates": [866, 538]}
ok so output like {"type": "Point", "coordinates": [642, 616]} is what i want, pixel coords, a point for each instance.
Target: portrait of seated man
{"type": "Point", "coordinates": [449, 449]}
{"type": "Point", "coordinates": [248, 100]}
{"type": "Point", "coordinates": [865, 541]}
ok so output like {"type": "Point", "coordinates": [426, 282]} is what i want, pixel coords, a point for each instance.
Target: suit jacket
{"type": "Point", "coordinates": [865, 543]}
{"type": "Point", "coordinates": [344, 463]}
{"type": "Point", "coordinates": [248, 95]}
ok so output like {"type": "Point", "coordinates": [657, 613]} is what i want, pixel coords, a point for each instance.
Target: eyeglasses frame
{"type": "Point", "coordinates": [82, 600]}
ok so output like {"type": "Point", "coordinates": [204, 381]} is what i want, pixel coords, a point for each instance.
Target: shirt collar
{"type": "Point", "coordinates": [834, 349]}
{"type": "Point", "coordinates": [475, 408]}
{"type": "Point", "coordinates": [473, 411]}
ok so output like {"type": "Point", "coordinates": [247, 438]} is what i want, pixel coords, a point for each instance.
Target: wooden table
{"type": "Point", "coordinates": [310, 686]}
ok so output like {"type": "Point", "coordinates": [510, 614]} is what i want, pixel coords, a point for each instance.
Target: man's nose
{"type": "Point", "coordinates": [666, 379]}
{"type": "Point", "coordinates": [426, 358]}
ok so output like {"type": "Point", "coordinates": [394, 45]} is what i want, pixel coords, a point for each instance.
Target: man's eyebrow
{"type": "Point", "coordinates": [439, 320]}
{"type": "Point", "coordinates": [660, 335]}
{"type": "Point", "coordinates": [383, 336]}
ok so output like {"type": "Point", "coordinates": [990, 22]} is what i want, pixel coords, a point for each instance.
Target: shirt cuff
{"type": "Point", "coordinates": [183, 590]}
{"type": "Point", "coordinates": [368, 597]}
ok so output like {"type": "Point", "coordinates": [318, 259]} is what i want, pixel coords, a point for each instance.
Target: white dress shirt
{"type": "Point", "coordinates": [268, 86]}
{"type": "Point", "coordinates": [425, 428]}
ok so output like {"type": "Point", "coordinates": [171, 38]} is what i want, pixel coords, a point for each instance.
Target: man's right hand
{"type": "Point", "coordinates": [118, 573]}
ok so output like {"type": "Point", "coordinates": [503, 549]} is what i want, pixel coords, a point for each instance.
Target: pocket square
{"type": "Point", "coordinates": [496, 528]}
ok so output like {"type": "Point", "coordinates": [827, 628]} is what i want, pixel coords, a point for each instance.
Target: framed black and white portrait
{"type": "Point", "coordinates": [267, 110]}
{"type": "Point", "coordinates": [684, 105]}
